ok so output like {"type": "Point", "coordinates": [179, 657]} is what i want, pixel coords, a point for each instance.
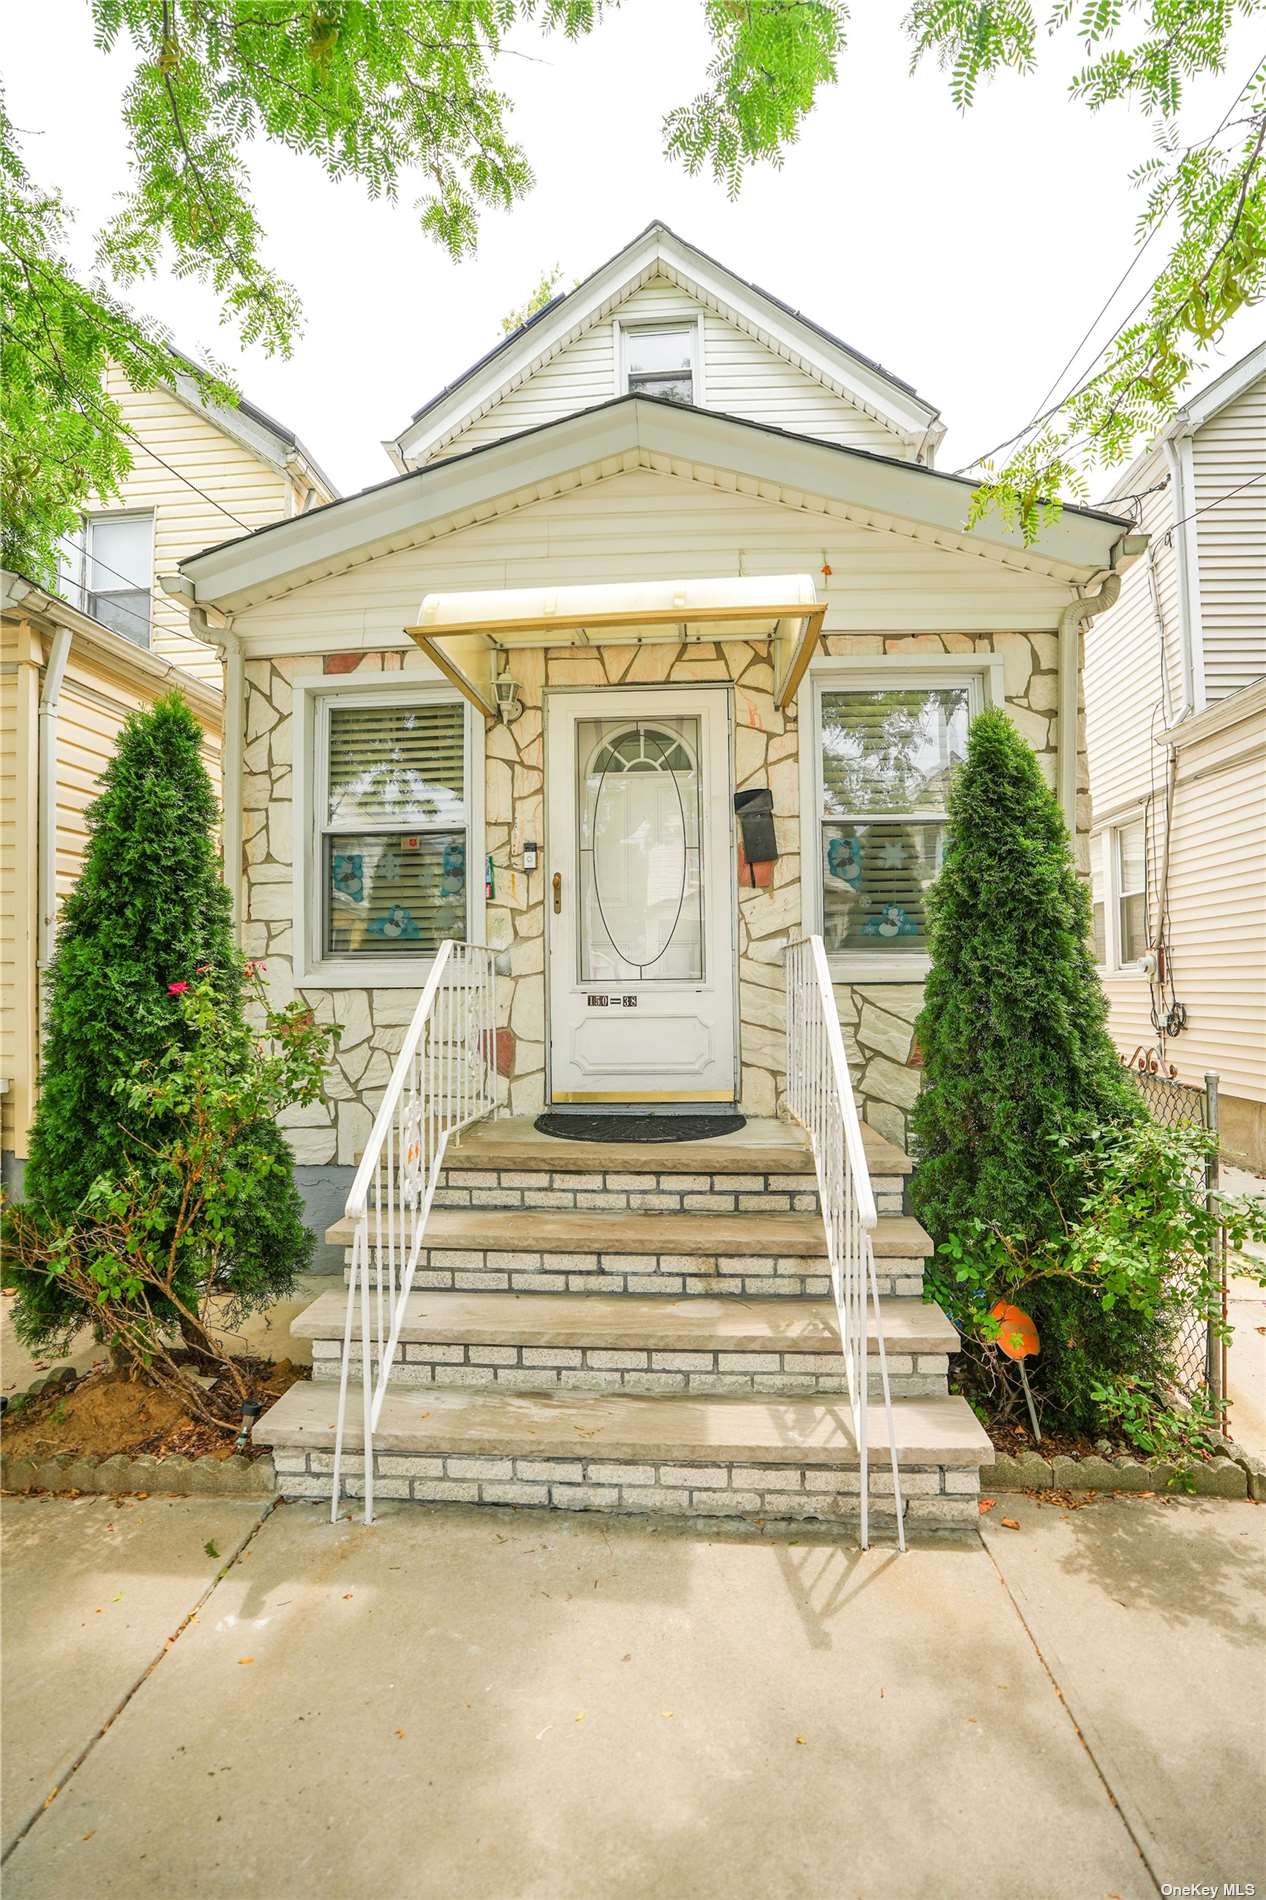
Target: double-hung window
{"type": "Point", "coordinates": [886, 752]}
{"type": "Point", "coordinates": [661, 362]}
{"type": "Point", "coordinates": [392, 799]}
{"type": "Point", "coordinates": [105, 571]}
{"type": "Point", "coordinates": [1129, 844]}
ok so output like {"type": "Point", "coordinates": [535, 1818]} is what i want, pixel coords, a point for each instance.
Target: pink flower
{"type": "Point", "coordinates": [177, 989]}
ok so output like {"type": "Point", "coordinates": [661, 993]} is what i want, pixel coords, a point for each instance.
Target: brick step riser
{"type": "Point", "coordinates": [935, 1497]}
{"type": "Point", "coordinates": [709, 1276]}
{"type": "Point", "coordinates": [646, 1193]}
{"type": "Point", "coordinates": [642, 1372]}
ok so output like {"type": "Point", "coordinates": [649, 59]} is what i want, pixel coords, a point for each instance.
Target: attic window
{"type": "Point", "coordinates": [661, 362]}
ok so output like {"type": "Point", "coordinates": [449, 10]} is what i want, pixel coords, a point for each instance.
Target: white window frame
{"type": "Point", "coordinates": [622, 330]}
{"type": "Point", "coordinates": [74, 576]}
{"type": "Point", "coordinates": [981, 673]}
{"type": "Point", "coordinates": [313, 699]}
{"type": "Point", "coordinates": [1118, 962]}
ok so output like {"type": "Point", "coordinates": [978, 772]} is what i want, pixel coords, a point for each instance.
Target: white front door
{"type": "Point", "coordinates": [639, 896]}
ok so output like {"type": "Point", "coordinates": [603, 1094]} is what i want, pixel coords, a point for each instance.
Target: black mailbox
{"type": "Point", "coordinates": [755, 812]}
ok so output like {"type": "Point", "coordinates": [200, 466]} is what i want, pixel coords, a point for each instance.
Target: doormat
{"type": "Point", "coordinates": [638, 1127]}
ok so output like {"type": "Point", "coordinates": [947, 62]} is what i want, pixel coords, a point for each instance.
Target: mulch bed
{"type": "Point", "coordinates": [107, 1412]}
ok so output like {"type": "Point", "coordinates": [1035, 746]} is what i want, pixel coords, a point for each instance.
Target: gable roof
{"type": "Point", "coordinates": [256, 430]}
{"type": "Point", "coordinates": [1203, 407]}
{"type": "Point", "coordinates": [659, 251]}
{"type": "Point", "coordinates": [626, 431]}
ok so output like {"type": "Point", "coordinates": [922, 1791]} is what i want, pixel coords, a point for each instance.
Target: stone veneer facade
{"type": "Point", "coordinates": [877, 1017]}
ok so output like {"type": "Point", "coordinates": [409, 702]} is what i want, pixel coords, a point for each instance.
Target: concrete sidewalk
{"type": "Point", "coordinates": [507, 1704]}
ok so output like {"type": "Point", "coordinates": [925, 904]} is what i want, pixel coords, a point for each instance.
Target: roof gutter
{"type": "Point", "coordinates": [1073, 621]}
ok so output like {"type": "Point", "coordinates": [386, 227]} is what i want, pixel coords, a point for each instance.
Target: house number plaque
{"type": "Point", "coordinates": [597, 1001]}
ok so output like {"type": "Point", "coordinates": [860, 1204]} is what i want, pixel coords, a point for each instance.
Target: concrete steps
{"type": "Point", "coordinates": [591, 1343]}
{"type": "Point", "coordinates": [628, 1327]}
{"type": "Point", "coordinates": [721, 1457]}
{"type": "Point", "coordinates": [527, 1250]}
{"type": "Point", "coordinates": [764, 1167]}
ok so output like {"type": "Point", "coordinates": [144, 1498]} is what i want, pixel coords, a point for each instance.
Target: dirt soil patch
{"type": "Point", "coordinates": [107, 1412]}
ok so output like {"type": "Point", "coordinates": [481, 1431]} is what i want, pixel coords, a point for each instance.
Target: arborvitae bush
{"type": "Point", "coordinates": [150, 911]}
{"type": "Point", "coordinates": [1022, 1081]}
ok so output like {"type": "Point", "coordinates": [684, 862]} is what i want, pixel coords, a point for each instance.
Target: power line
{"type": "Point", "coordinates": [79, 396]}
{"type": "Point", "coordinates": [1044, 413]}
{"type": "Point", "coordinates": [1217, 501]}
{"type": "Point", "coordinates": [86, 592]}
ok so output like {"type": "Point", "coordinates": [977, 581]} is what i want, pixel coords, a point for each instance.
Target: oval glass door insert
{"type": "Point", "coordinates": [641, 885]}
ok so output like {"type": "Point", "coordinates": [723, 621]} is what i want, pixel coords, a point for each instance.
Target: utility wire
{"type": "Point", "coordinates": [80, 397]}
{"type": "Point", "coordinates": [1217, 501]}
{"type": "Point", "coordinates": [137, 587]}
{"type": "Point", "coordinates": [1043, 412]}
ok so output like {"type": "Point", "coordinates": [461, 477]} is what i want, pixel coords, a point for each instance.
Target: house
{"type": "Point", "coordinates": [77, 661]}
{"type": "Point", "coordinates": [1176, 739]}
{"type": "Point", "coordinates": [669, 542]}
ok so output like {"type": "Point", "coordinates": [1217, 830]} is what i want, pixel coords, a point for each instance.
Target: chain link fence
{"type": "Point", "coordinates": [1200, 1354]}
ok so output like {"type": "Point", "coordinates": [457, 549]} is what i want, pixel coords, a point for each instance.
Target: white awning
{"type": "Point", "coordinates": [471, 637]}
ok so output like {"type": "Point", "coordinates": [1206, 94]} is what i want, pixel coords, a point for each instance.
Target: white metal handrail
{"type": "Point", "coordinates": [820, 1096]}
{"type": "Point", "coordinates": [444, 1079]}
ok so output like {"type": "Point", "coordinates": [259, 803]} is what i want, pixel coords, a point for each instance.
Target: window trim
{"type": "Point", "coordinates": [313, 699]}
{"type": "Point", "coordinates": [982, 673]}
{"type": "Point", "coordinates": [623, 327]}
{"type": "Point", "coordinates": [84, 556]}
{"type": "Point", "coordinates": [1119, 963]}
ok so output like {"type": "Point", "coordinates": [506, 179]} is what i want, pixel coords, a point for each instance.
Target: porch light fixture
{"type": "Point", "coordinates": [509, 705]}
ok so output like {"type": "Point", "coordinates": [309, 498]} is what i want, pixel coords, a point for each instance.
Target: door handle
{"type": "Point", "coordinates": [558, 892]}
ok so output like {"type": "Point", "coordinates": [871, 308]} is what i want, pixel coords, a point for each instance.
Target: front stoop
{"type": "Point", "coordinates": [630, 1328]}
{"type": "Point", "coordinates": [717, 1457]}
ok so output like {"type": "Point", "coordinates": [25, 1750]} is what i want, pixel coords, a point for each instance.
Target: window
{"type": "Point", "coordinates": [887, 753]}
{"type": "Point", "coordinates": [1130, 842]}
{"type": "Point", "coordinates": [105, 572]}
{"type": "Point", "coordinates": [661, 362]}
{"type": "Point", "coordinates": [1098, 903]}
{"type": "Point", "coordinates": [391, 814]}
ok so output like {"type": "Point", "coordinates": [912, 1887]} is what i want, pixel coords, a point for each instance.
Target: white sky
{"type": "Point", "coordinates": [966, 254]}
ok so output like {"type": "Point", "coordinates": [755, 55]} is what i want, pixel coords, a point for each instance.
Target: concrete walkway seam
{"type": "Point", "coordinates": [268, 1508]}
{"type": "Point", "coordinates": [1084, 1731]}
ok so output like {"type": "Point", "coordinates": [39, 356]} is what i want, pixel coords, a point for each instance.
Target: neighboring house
{"type": "Point", "coordinates": [1176, 736]}
{"type": "Point", "coordinates": [199, 472]}
{"type": "Point", "coordinates": [74, 664]}
{"type": "Point", "coordinates": [672, 436]}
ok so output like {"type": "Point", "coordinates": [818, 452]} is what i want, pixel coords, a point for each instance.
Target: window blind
{"type": "Point", "coordinates": [891, 750]}
{"type": "Point", "coordinates": [398, 894]}
{"type": "Point", "coordinates": [397, 766]}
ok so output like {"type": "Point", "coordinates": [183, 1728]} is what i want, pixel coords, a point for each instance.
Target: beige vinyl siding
{"type": "Point", "coordinates": [641, 525]}
{"type": "Point", "coordinates": [742, 376]}
{"type": "Point", "coordinates": [239, 491]}
{"type": "Point", "coordinates": [1228, 451]}
{"type": "Point", "coordinates": [105, 679]}
{"type": "Point", "coordinates": [1133, 670]}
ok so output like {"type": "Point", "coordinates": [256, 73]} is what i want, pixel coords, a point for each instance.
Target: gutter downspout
{"type": "Point", "coordinates": [1072, 622]}
{"type": "Point", "coordinates": [230, 646]}
{"type": "Point", "coordinates": [46, 818]}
